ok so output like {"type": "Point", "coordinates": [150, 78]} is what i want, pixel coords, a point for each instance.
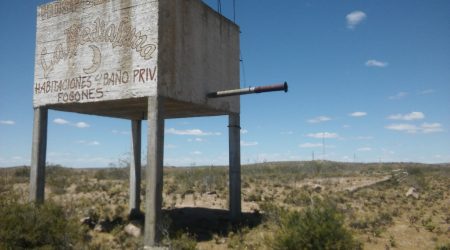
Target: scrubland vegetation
{"type": "Point", "coordinates": [286, 205]}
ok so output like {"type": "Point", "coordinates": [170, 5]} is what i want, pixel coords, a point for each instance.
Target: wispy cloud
{"type": "Point", "coordinates": [358, 114]}
{"type": "Point", "coordinates": [319, 119]}
{"type": "Point", "coordinates": [198, 139]}
{"type": "Point", "coordinates": [196, 132]}
{"type": "Point", "coordinates": [321, 135]}
{"type": "Point", "coordinates": [310, 145]}
{"type": "Point", "coordinates": [61, 121]}
{"type": "Point", "coordinates": [244, 131]}
{"type": "Point", "coordinates": [425, 128]}
{"type": "Point", "coordinates": [196, 152]}
{"type": "Point", "coordinates": [7, 122]}
{"type": "Point", "coordinates": [407, 117]}
{"type": "Point", "coordinates": [249, 143]}
{"type": "Point", "coordinates": [354, 18]}
{"type": "Point", "coordinates": [399, 95]}
{"type": "Point", "coordinates": [426, 92]}
{"type": "Point", "coordinates": [81, 125]}
{"type": "Point", "coordinates": [364, 149]}
{"type": "Point", "coordinates": [431, 127]}
{"type": "Point", "coordinates": [376, 63]}
{"type": "Point", "coordinates": [403, 127]}
{"type": "Point", "coordinates": [88, 143]}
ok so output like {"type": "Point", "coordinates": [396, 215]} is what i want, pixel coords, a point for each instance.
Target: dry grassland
{"type": "Point", "coordinates": [371, 198]}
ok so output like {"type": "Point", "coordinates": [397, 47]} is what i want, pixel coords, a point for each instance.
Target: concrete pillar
{"type": "Point", "coordinates": [154, 174]}
{"type": "Point", "coordinates": [135, 168]}
{"type": "Point", "coordinates": [38, 153]}
{"type": "Point", "coordinates": [235, 166]}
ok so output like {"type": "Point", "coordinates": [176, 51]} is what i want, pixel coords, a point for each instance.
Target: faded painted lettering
{"type": "Point", "coordinates": [124, 35]}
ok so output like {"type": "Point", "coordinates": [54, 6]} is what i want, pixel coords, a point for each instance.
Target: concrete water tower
{"type": "Point", "coordinates": [137, 60]}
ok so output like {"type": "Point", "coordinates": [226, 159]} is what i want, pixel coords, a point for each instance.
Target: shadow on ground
{"type": "Point", "coordinates": [204, 223]}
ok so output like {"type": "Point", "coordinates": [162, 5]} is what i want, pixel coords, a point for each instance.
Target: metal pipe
{"type": "Point", "coordinates": [250, 90]}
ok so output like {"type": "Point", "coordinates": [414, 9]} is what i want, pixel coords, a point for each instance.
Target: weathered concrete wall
{"type": "Point", "coordinates": [106, 50]}
{"type": "Point", "coordinates": [90, 51]}
{"type": "Point", "coordinates": [199, 53]}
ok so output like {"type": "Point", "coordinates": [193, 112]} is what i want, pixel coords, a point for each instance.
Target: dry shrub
{"type": "Point", "coordinates": [319, 226]}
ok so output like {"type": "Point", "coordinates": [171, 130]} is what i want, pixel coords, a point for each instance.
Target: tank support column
{"type": "Point", "coordinates": [154, 174]}
{"type": "Point", "coordinates": [135, 168]}
{"type": "Point", "coordinates": [235, 166]}
{"type": "Point", "coordinates": [38, 154]}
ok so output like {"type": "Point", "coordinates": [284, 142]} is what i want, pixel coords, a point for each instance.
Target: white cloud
{"type": "Point", "coordinates": [7, 122]}
{"type": "Point", "coordinates": [321, 135]}
{"type": "Point", "coordinates": [431, 127]}
{"type": "Point", "coordinates": [244, 131]}
{"type": "Point", "coordinates": [197, 132]}
{"type": "Point", "coordinates": [407, 117]}
{"type": "Point", "coordinates": [195, 140]}
{"type": "Point", "coordinates": [398, 96]}
{"type": "Point", "coordinates": [403, 127]}
{"type": "Point", "coordinates": [89, 143]}
{"type": "Point", "coordinates": [60, 121]}
{"type": "Point", "coordinates": [425, 128]}
{"type": "Point", "coordinates": [310, 145]}
{"type": "Point", "coordinates": [364, 149]}
{"type": "Point", "coordinates": [319, 119]}
{"type": "Point", "coordinates": [81, 125]}
{"type": "Point", "coordinates": [354, 18]}
{"type": "Point", "coordinates": [196, 152]}
{"type": "Point", "coordinates": [376, 63]}
{"type": "Point", "coordinates": [358, 114]}
{"type": "Point", "coordinates": [249, 143]}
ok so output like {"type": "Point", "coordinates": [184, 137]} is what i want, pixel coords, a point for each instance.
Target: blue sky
{"type": "Point", "coordinates": [369, 78]}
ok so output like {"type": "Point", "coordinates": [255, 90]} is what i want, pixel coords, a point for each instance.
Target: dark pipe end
{"type": "Point", "coordinates": [285, 87]}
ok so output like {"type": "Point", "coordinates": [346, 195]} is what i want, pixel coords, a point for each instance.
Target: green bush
{"type": "Point", "coordinates": [298, 198]}
{"type": "Point", "coordinates": [319, 226]}
{"type": "Point", "coordinates": [30, 226]}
